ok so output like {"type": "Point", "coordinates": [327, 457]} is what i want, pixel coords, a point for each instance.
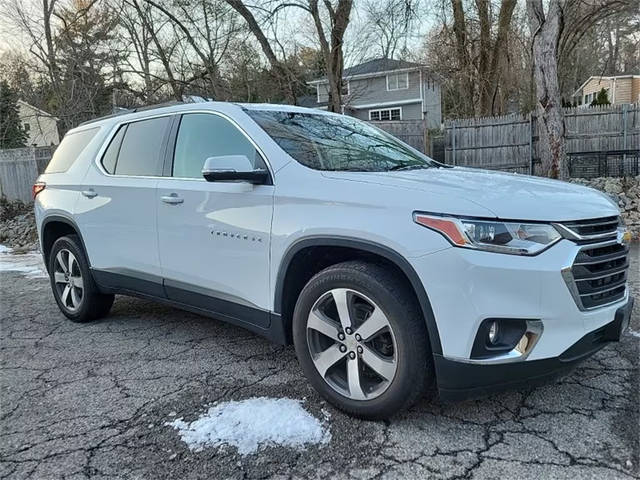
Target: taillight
{"type": "Point", "coordinates": [37, 188]}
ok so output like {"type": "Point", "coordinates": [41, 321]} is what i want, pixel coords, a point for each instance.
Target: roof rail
{"type": "Point", "coordinates": [132, 110]}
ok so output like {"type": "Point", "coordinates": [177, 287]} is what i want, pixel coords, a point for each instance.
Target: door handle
{"type": "Point", "coordinates": [172, 199]}
{"type": "Point", "coordinates": [91, 193]}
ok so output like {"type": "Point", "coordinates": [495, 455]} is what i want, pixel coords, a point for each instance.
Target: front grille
{"type": "Point", "coordinates": [598, 275]}
{"type": "Point", "coordinates": [593, 229]}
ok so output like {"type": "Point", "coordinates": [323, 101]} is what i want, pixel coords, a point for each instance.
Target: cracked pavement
{"type": "Point", "coordinates": [90, 401]}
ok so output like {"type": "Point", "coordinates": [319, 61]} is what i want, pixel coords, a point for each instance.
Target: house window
{"type": "Point", "coordinates": [385, 114]}
{"type": "Point", "coordinates": [398, 81]}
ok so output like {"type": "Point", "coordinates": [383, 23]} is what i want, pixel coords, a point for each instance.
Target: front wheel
{"type": "Point", "coordinates": [361, 339]}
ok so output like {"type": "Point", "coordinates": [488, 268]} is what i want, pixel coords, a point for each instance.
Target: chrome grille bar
{"type": "Point", "coordinates": [601, 280]}
{"type": "Point", "coordinates": [588, 230]}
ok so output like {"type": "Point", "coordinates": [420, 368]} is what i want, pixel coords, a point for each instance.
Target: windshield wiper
{"type": "Point", "coordinates": [398, 168]}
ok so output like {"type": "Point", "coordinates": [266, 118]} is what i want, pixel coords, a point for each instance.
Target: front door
{"type": "Point", "coordinates": [214, 236]}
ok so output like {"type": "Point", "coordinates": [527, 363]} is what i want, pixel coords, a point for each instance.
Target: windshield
{"type": "Point", "coordinates": [332, 142]}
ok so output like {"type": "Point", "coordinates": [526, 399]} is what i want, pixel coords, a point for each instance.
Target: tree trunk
{"type": "Point", "coordinates": [545, 33]}
{"type": "Point", "coordinates": [332, 52]}
{"type": "Point", "coordinates": [464, 62]}
{"type": "Point", "coordinates": [483, 78]}
{"type": "Point", "coordinates": [498, 53]}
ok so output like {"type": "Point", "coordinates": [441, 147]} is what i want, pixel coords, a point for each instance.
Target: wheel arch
{"type": "Point", "coordinates": [355, 245]}
{"type": "Point", "coordinates": [54, 227]}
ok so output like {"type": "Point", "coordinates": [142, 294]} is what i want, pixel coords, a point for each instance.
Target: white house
{"type": "Point", "coordinates": [42, 127]}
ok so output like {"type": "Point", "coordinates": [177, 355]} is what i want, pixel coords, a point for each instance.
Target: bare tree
{"type": "Point", "coordinates": [332, 47]}
{"type": "Point", "coordinates": [142, 31]}
{"type": "Point", "coordinates": [481, 62]}
{"type": "Point", "coordinates": [279, 67]}
{"type": "Point", "coordinates": [330, 20]}
{"type": "Point", "coordinates": [554, 34]}
{"type": "Point", "coordinates": [208, 30]}
{"type": "Point", "coordinates": [390, 24]}
{"type": "Point", "coordinates": [545, 34]}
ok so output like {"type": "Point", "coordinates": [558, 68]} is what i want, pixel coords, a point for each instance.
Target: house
{"type": "Point", "coordinates": [620, 89]}
{"type": "Point", "coordinates": [386, 89]}
{"type": "Point", "coordinates": [41, 127]}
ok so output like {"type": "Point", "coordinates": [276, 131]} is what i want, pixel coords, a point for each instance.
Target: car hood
{"type": "Point", "coordinates": [506, 195]}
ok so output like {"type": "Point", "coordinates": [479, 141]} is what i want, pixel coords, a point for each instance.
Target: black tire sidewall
{"type": "Point", "coordinates": [413, 352]}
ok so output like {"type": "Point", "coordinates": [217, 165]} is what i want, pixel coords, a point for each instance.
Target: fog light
{"type": "Point", "coordinates": [493, 333]}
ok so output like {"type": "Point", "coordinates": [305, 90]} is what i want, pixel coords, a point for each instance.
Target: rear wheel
{"type": "Point", "coordinates": [361, 340]}
{"type": "Point", "coordinates": [74, 289]}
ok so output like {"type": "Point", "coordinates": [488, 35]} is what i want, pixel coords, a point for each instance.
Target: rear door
{"type": "Point", "coordinates": [214, 236]}
{"type": "Point", "coordinates": [117, 209]}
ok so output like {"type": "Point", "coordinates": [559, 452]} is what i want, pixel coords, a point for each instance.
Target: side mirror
{"type": "Point", "coordinates": [233, 168]}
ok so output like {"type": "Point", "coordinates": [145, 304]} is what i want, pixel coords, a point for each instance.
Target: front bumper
{"type": "Point", "coordinates": [465, 287]}
{"type": "Point", "coordinates": [458, 380]}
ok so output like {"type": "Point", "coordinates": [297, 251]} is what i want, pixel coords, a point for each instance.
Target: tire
{"type": "Point", "coordinates": [351, 383]}
{"type": "Point", "coordinates": [75, 291]}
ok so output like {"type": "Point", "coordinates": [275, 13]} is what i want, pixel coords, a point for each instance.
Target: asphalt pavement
{"type": "Point", "coordinates": [91, 401]}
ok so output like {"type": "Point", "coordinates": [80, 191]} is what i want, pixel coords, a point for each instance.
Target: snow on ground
{"type": "Point", "coordinates": [253, 423]}
{"type": "Point", "coordinates": [29, 263]}
{"type": "Point", "coordinates": [633, 333]}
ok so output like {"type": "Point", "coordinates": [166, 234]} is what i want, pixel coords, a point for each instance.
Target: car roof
{"type": "Point", "coordinates": [176, 107]}
{"type": "Point", "coordinates": [282, 108]}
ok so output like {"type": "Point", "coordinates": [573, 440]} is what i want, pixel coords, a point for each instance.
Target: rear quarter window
{"type": "Point", "coordinates": [69, 150]}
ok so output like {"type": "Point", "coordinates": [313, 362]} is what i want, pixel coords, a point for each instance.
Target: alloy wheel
{"type": "Point", "coordinates": [68, 280]}
{"type": "Point", "coordinates": [352, 344]}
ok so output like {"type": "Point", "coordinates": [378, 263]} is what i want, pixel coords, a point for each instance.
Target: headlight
{"type": "Point", "coordinates": [515, 238]}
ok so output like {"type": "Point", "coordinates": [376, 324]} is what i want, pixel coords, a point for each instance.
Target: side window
{"type": "Point", "coordinates": [110, 157]}
{"type": "Point", "coordinates": [69, 149]}
{"type": "Point", "coordinates": [141, 148]}
{"type": "Point", "coordinates": [203, 135]}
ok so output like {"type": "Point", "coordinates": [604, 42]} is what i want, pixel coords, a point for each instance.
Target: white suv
{"type": "Point", "coordinates": [389, 272]}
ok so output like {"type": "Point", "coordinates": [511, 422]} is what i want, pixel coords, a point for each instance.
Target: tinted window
{"type": "Point", "coordinates": [141, 149]}
{"type": "Point", "coordinates": [111, 155]}
{"type": "Point", "coordinates": [338, 142]}
{"type": "Point", "coordinates": [204, 135]}
{"type": "Point", "coordinates": [69, 149]}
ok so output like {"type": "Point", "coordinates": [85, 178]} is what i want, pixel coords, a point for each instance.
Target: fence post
{"type": "Point", "coordinates": [531, 169]}
{"type": "Point", "coordinates": [425, 139]}
{"type": "Point", "coordinates": [453, 140]}
{"type": "Point", "coordinates": [624, 135]}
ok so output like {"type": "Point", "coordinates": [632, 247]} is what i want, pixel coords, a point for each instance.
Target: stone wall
{"type": "Point", "coordinates": [625, 191]}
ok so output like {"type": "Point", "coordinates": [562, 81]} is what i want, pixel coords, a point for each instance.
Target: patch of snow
{"type": "Point", "coordinates": [252, 424]}
{"type": "Point", "coordinates": [29, 263]}
{"type": "Point", "coordinates": [633, 333]}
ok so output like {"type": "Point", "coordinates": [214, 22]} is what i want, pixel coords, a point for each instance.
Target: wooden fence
{"type": "Point", "coordinates": [608, 136]}
{"type": "Point", "coordinates": [19, 168]}
{"type": "Point", "coordinates": [412, 132]}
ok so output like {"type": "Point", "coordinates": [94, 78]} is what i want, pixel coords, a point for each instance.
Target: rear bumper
{"type": "Point", "coordinates": [458, 380]}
